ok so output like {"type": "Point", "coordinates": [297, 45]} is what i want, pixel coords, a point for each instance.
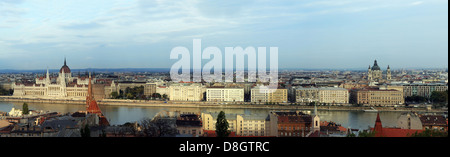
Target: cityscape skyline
{"type": "Point", "coordinates": [140, 34]}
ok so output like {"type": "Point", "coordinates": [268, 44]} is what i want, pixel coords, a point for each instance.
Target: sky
{"type": "Point", "coordinates": [310, 34]}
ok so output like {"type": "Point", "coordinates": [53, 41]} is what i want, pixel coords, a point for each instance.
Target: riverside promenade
{"type": "Point", "coordinates": [203, 104]}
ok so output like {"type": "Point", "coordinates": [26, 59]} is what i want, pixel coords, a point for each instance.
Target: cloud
{"type": "Point", "coordinates": [417, 3]}
{"type": "Point", "coordinates": [82, 26]}
{"type": "Point", "coordinates": [102, 26]}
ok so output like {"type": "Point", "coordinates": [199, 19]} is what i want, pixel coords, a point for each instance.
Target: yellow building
{"type": "Point", "coordinates": [333, 95]}
{"type": "Point", "coordinates": [268, 95]}
{"type": "Point", "coordinates": [242, 125]}
{"type": "Point", "coordinates": [389, 97]}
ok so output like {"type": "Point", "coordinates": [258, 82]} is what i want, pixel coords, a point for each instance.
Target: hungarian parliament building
{"type": "Point", "coordinates": [62, 86]}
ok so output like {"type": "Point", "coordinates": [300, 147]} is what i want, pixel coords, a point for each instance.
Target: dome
{"type": "Point", "coordinates": [375, 66]}
{"type": "Point", "coordinates": [65, 68]}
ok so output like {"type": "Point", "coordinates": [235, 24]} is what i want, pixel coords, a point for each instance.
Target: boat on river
{"type": "Point", "coordinates": [371, 110]}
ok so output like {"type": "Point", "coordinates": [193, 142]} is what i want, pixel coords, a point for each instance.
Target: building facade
{"type": "Point", "coordinates": [380, 97]}
{"type": "Point", "coordinates": [333, 95]}
{"type": "Point", "coordinates": [63, 86]}
{"type": "Point", "coordinates": [291, 124]}
{"type": "Point", "coordinates": [259, 95]}
{"type": "Point", "coordinates": [222, 94]}
{"type": "Point", "coordinates": [186, 92]}
{"type": "Point", "coordinates": [424, 90]}
{"type": "Point", "coordinates": [242, 125]}
{"type": "Point", "coordinates": [189, 125]}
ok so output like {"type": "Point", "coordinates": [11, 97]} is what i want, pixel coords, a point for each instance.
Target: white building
{"type": "Point", "coordinates": [65, 86]}
{"type": "Point", "coordinates": [221, 94]}
{"type": "Point", "coordinates": [322, 95]}
{"type": "Point", "coordinates": [186, 92]}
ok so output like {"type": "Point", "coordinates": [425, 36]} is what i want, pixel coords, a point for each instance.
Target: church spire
{"type": "Point", "coordinates": [315, 110]}
{"type": "Point", "coordinates": [65, 63]}
{"type": "Point", "coordinates": [378, 127]}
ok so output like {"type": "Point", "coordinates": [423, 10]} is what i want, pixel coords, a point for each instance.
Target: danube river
{"type": "Point", "coordinates": [121, 114]}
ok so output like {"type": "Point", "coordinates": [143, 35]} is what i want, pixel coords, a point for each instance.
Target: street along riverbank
{"type": "Point", "coordinates": [146, 103]}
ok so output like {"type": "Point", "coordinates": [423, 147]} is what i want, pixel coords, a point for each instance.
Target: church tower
{"type": "Point", "coordinates": [47, 79]}
{"type": "Point", "coordinates": [369, 73]}
{"type": "Point", "coordinates": [388, 73]}
{"type": "Point", "coordinates": [316, 120]}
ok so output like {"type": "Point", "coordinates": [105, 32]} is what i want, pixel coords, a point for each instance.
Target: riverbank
{"type": "Point", "coordinates": [143, 103]}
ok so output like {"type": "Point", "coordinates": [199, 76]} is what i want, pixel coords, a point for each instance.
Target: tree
{"type": "Point", "coordinates": [222, 125]}
{"type": "Point", "coordinates": [156, 95]}
{"type": "Point", "coordinates": [439, 97]}
{"type": "Point", "coordinates": [430, 133]}
{"type": "Point", "coordinates": [114, 95]}
{"type": "Point", "coordinates": [130, 96]}
{"type": "Point", "coordinates": [5, 92]}
{"type": "Point", "coordinates": [416, 98]}
{"type": "Point", "coordinates": [25, 110]}
{"type": "Point", "coordinates": [158, 127]}
{"type": "Point", "coordinates": [85, 132]}
{"type": "Point", "coordinates": [366, 133]}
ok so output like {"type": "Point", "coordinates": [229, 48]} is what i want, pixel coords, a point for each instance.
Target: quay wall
{"type": "Point", "coordinates": [238, 105]}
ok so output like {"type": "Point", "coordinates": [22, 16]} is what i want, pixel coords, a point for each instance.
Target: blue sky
{"type": "Point", "coordinates": [141, 33]}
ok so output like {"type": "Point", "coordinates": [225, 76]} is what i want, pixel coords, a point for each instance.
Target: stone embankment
{"type": "Point", "coordinates": [144, 103]}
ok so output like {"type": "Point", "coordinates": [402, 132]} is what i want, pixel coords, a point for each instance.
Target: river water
{"type": "Point", "coordinates": [122, 114]}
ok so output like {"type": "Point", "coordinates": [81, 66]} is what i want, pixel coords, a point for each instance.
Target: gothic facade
{"type": "Point", "coordinates": [62, 86]}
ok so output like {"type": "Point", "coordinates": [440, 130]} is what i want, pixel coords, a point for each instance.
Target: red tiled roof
{"type": "Point", "coordinates": [391, 132]}
{"type": "Point", "coordinates": [397, 132]}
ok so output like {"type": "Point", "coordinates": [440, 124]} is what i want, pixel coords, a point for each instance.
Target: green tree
{"type": "Point", "coordinates": [366, 133]}
{"type": "Point", "coordinates": [85, 132]}
{"type": "Point", "coordinates": [4, 91]}
{"type": "Point", "coordinates": [439, 97]}
{"type": "Point", "coordinates": [416, 98]}
{"type": "Point", "coordinates": [130, 96]}
{"type": "Point", "coordinates": [222, 125]}
{"type": "Point", "coordinates": [114, 95]}
{"type": "Point", "coordinates": [431, 133]}
{"type": "Point", "coordinates": [351, 135]}
{"type": "Point", "coordinates": [156, 95]}
{"type": "Point", "coordinates": [25, 110]}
